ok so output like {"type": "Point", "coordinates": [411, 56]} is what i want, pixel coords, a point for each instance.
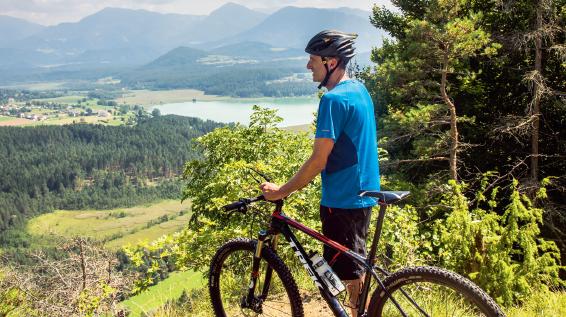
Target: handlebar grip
{"type": "Point", "coordinates": [241, 205]}
{"type": "Point", "coordinates": [234, 206]}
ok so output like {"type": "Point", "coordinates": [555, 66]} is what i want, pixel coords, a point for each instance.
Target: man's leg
{"type": "Point", "coordinates": [348, 227]}
{"type": "Point", "coordinates": [354, 288]}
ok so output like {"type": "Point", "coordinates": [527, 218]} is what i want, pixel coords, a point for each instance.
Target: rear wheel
{"type": "Point", "coordinates": [437, 292]}
{"type": "Point", "coordinates": [230, 277]}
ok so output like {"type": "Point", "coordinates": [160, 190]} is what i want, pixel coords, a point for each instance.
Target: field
{"type": "Point", "coordinates": [300, 128]}
{"type": "Point", "coordinates": [116, 227]}
{"type": "Point", "coordinates": [168, 289]}
{"type": "Point", "coordinates": [63, 119]}
{"type": "Point", "coordinates": [156, 97]}
{"type": "Point", "coordinates": [36, 86]}
{"type": "Point", "coordinates": [12, 121]}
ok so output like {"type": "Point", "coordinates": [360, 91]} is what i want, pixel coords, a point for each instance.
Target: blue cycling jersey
{"type": "Point", "coordinates": [346, 115]}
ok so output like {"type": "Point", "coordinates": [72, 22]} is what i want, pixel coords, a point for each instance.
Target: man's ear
{"type": "Point", "coordinates": [333, 62]}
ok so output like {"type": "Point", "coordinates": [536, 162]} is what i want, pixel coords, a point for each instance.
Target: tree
{"type": "Point", "coordinates": [495, 98]}
{"type": "Point", "coordinates": [155, 112]}
{"type": "Point", "coordinates": [545, 34]}
{"type": "Point", "coordinates": [504, 254]}
{"type": "Point", "coordinates": [445, 37]}
{"type": "Point", "coordinates": [84, 282]}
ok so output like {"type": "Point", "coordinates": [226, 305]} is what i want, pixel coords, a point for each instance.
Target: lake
{"type": "Point", "coordinates": [293, 110]}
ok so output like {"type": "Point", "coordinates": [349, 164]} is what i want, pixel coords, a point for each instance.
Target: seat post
{"type": "Point", "coordinates": [377, 234]}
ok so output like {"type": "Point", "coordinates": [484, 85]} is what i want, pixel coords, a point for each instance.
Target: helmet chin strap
{"type": "Point", "coordinates": [328, 74]}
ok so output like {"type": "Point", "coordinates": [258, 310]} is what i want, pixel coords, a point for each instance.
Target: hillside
{"type": "Point", "coordinates": [224, 22]}
{"type": "Point", "coordinates": [104, 166]}
{"type": "Point", "coordinates": [14, 29]}
{"type": "Point", "coordinates": [247, 72]}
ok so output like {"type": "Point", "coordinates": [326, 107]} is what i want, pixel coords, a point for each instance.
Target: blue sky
{"type": "Point", "coordinates": [50, 12]}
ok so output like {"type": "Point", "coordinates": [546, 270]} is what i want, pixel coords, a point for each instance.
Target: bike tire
{"type": "Point", "coordinates": [433, 288]}
{"type": "Point", "coordinates": [233, 261]}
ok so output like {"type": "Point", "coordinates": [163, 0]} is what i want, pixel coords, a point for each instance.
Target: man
{"type": "Point", "coordinates": [344, 152]}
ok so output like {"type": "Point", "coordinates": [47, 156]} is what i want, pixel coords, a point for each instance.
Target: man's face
{"type": "Point", "coordinates": [316, 66]}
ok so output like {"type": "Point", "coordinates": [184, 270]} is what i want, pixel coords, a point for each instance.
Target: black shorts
{"type": "Point", "coordinates": [348, 227]}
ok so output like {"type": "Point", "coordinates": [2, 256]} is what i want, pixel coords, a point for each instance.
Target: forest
{"type": "Point", "coordinates": [91, 166]}
{"type": "Point", "coordinates": [235, 81]}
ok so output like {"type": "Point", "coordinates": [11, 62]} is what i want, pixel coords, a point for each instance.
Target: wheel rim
{"type": "Point", "coordinates": [233, 282]}
{"type": "Point", "coordinates": [434, 299]}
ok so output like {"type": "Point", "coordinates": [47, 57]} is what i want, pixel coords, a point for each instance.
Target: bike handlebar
{"type": "Point", "coordinates": [242, 204]}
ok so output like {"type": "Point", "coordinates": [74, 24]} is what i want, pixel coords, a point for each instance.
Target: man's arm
{"type": "Point", "coordinates": [310, 169]}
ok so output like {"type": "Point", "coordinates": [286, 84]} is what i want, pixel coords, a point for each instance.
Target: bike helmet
{"type": "Point", "coordinates": [331, 43]}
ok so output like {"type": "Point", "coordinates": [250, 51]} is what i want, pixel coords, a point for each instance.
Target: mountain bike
{"type": "Point", "coordinates": [248, 278]}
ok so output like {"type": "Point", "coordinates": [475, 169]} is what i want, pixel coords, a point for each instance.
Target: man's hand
{"type": "Point", "coordinates": [312, 167]}
{"type": "Point", "coordinates": [271, 191]}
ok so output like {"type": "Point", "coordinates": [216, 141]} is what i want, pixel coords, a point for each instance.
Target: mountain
{"type": "Point", "coordinates": [111, 29]}
{"type": "Point", "coordinates": [14, 29]}
{"type": "Point", "coordinates": [178, 57]}
{"type": "Point", "coordinates": [293, 27]}
{"type": "Point", "coordinates": [115, 36]}
{"type": "Point", "coordinates": [230, 41]}
{"type": "Point", "coordinates": [226, 21]}
{"type": "Point", "coordinates": [260, 51]}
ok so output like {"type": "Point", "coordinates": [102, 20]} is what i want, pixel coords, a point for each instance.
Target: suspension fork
{"type": "Point", "coordinates": [269, 271]}
{"type": "Point", "coordinates": [255, 266]}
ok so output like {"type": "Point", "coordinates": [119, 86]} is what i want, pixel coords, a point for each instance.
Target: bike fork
{"type": "Point", "coordinates": [250, 298]}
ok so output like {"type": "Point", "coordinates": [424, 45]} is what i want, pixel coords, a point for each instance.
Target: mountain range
{"type": "Point", "coordinates": [116, 38]}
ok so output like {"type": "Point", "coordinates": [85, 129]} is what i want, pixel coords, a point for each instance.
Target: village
{"type": "Point", "coordinates": [26, 109]}
{"type": "Point", "coordinates": [51, 110]}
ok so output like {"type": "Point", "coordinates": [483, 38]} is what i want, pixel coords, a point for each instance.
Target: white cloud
{"type": "Point", "coordinates": [49, 12]}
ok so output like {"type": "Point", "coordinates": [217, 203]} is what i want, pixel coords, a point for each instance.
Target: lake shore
{"type": "Point", "coordinates": [150, 98]}
{"type": "Point", "coordinates": [295, 111]}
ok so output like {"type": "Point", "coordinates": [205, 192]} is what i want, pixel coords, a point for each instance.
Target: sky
{"type": "Point", "coordinates": [51, 12]}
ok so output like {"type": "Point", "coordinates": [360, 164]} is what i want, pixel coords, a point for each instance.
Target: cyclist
{"type": "Point", "coordinates": [344, 153]}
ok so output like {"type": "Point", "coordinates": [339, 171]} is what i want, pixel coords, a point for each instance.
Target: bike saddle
{"type": "Point", "coordinates": [385, 197]}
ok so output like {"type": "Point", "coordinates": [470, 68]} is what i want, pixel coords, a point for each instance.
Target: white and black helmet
{"type": "Point", "coordinates": [332, 43]}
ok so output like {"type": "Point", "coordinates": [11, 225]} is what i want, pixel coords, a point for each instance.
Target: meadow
{"type": "Point", "coordinates": [115, 227]}
{"type": "Point", "coordinates": [167, 290]}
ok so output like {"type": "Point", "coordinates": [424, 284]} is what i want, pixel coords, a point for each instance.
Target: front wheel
{"type": "Point", "coordinates": [230, 277]}
{"type": "Point", "coordinates": [431, 291]}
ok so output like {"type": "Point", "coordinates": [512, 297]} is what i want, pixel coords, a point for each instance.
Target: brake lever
{"type": "Point", "coordinates": [267, 178]}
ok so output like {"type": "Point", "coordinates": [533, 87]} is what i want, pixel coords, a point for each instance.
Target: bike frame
{"type": "Point", "coordinates": [281, 224]}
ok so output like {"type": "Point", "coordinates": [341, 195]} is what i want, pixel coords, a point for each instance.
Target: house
{"type": "Point", "coordinates": [104, 114]}
{"type": "Point", "coordinates": [73, 113]}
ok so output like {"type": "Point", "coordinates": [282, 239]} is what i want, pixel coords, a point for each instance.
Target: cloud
{"type": "Point", "coordinates": [49, 12]}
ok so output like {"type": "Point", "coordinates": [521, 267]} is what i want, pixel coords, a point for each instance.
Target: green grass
{"type": "Point", "coordinates": [71, 99]}
{"type": "Point", "coordinates": [74, 100]}
{"type": "Point", "coordinates": [5, 118]}
{"type": "Point", "coordinates": [168, 289]}
{"type": "Point", "coordinates": [117, 227]}
{"type": "Point", "coordinates": [551, 304]}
